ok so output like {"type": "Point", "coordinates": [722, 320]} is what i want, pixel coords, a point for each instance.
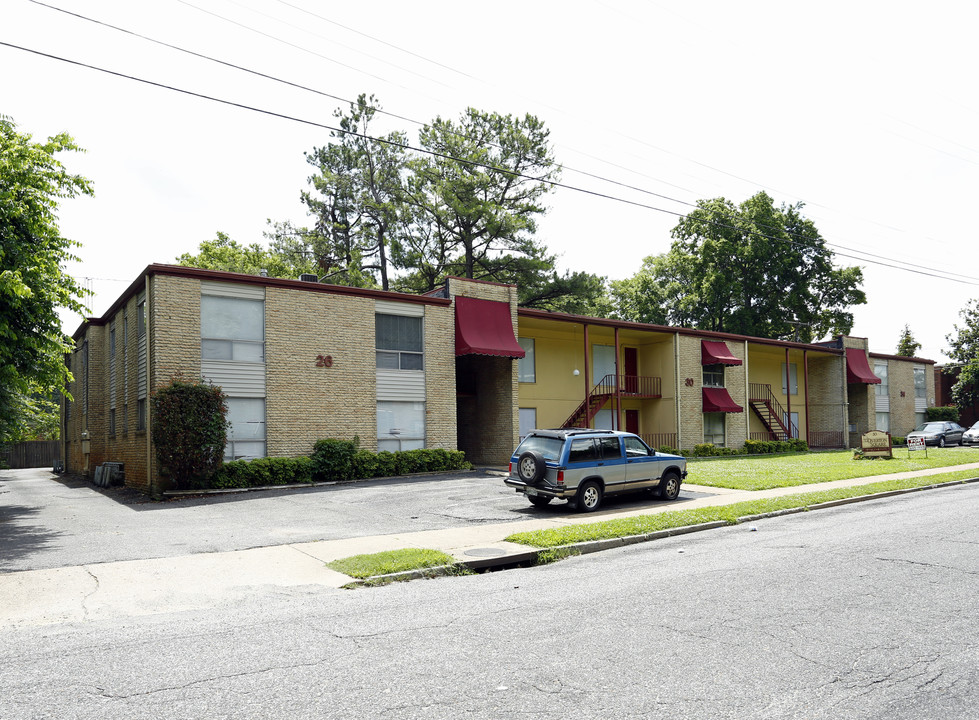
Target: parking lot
{"type": "Point", "coordinates": [49, 521]}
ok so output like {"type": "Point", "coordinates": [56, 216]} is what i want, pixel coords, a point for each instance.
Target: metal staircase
{"type": "Point", "coordinates": [623, 385]}
{"type": "Point", "coordinates": [769, 410]}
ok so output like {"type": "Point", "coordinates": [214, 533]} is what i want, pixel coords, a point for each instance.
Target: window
{"type": "Point", "coordinates": [528, 421]}
{"type": "Point", "coordinates": [714, 376]}
{"type": "Point", "coordinates": [232, 329]}
{"type": "Point", "coordinates": [634, 447]}
{"type": "Point", "coordinates": [141, 414]}
{"type": "Point", "coordinates": [112, 341]}
{"type": "Point", "coordinates": [141, 318]}
{"type": "Point", "coordinates": [881, 390]}
{"type": "Point", "coordinates": [526, 368]}
{"type": "Point", "coordinates": [920, 389]}
{"type": "Point", "coordinates": [125, 419]}
{"type": "Point", "coordinates": [583, 450]}
{"type": "Point", "coordinates": [793, 385]}
{"type": "Point", "coordinates": [610, 448]}
{"type": "Point", "coordinates": [246, 431]}
{"type": "Point", "coordinates": [398, 342]}
{"type": "Point", "coordinates": [112, 422]}
{"type": "Point", "coordinates": [883, 418]}
{"type": "Point", "coordinates": [714, 429]}
{"type": "Point", "coordinates": [400, 425]}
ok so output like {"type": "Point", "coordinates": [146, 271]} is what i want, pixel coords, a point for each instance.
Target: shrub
{"type": "Point", "coordinates": [189, 430]}
{"type": "Point", "coordinates": [365, 464]}
{"type": "Point", "coordinates": [262, 472]}
{"type": "Point", "coordinates": [668, 450]}
{"type": "Point", "coordinates": [948, 413]}
{"type": "Point", "coordinates": [333, 460]}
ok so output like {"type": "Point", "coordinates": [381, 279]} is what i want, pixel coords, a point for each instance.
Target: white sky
{"type": "Point", "coordinates": [865, 111]}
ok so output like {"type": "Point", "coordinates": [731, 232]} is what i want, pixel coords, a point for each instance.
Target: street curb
{"type": "Point", "coordinates": [593, 546]}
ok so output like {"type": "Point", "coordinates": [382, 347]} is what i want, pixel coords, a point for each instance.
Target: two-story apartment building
{"type": "Point", "coordinates": [458, 368]}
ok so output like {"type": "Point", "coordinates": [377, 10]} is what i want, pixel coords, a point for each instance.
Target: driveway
{"type": "Point", "coordinates": [51, 521]}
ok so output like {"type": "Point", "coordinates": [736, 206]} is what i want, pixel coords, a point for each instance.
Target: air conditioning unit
{"type": "Point", "coordinates": [309, 277]}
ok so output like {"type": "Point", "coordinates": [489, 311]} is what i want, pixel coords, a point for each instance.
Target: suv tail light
{"type": "Point", "coordinates": [510, 469]}
{"type": "Point", "coordinates": [560, 477]}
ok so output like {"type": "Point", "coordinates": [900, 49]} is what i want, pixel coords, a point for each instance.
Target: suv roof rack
{"type": "Point", "coordinates": [567, 432]}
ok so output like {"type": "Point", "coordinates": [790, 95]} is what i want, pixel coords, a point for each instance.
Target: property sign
{"type": "Point", "coordinates": [876, 443]}
{"type": "Point", "coordinates": [916, 443]}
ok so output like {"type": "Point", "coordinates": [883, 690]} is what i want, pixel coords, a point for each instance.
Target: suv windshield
{"type": "Point", "coordinates": [549, 447]}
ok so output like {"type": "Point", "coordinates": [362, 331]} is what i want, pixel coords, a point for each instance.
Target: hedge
{"type": "Point", "coordinates": [335, 460]}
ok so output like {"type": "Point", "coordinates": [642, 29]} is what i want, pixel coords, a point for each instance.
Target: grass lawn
{"type": "Point", "coordinates": [642, 524]}
{"type": "Point", "coordinates": [764, 472]}
{"type": "Point", "coordinates": [390, 561]}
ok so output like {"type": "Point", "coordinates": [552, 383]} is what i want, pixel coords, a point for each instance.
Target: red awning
{"type": "Point", "coordinates": [714, 352]}
{"type": "Point", "coordinates": [484, 327]}
{"type": "Point", "coordinates": [719, 400]}
{"type": "Point", "coordinates": [858, 369]}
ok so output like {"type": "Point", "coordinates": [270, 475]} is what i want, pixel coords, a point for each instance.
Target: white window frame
{"type": "Point", "coordinates": [712, 437]}
{"type": "Point", "coordinates": [713, 376]}
{"type": "Point", "coordinates": [527, 365]}
{"type": "Point", "coordinates": [793, 379]}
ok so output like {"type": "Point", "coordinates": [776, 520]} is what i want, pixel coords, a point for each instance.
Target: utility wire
{"type": "Point", "coordinates": [416, 122]}
{"type": "Point", "coordinates": [443, 156]}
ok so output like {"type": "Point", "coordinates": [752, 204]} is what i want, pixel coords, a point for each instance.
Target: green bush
{"type": "Point", "coordinates": [333, 460]}
{"type": "Point", "coordinates": [365, 464]}
{"type": "Point", "coordinates": [189, 430]}
{"type": "Point", "coordinates": [948, 413]}
{"type": "Point", "coordinates": [262, 472]}
{"type": "Point", "coordinates": [668, 450]}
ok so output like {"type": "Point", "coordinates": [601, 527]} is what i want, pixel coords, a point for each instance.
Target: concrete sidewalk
{"type": "Point", "coordinates": [196, 582]}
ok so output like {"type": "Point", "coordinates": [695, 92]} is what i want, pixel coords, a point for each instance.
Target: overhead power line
{"type": "Point", "coordinates": [322, 93]}
{"type": "Point", "coordinates": [485, 166]}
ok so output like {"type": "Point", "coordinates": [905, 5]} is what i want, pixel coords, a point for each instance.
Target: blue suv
{"type": "Point", "coordinates": [583, 465]}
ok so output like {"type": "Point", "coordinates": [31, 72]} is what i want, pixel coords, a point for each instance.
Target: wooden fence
{"type": "Point", "coordinates": [31, 454]}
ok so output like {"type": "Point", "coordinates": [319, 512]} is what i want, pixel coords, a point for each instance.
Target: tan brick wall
{"type": "Point", "coordinates": [305, 403]}
{"type": "Point", "coordinates": [827, 398]}
{"type": "Point", "coordinates": [440, 378]}
{"type": "Point", "coordinates": [692, 397]}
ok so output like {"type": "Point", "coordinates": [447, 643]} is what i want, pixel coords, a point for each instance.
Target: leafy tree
{"type": "Point", "coordinates": [752, 269]}
{"type": "Point", "coordinates": [189, 430]}
{"type": "Point", "coordinates": [33, 282]}
{"type": "Point", "coordinates": [223, 253]}
{"type": "Point", "coordinates": [907, 346]}
{"type": "Point", "coordinates": [964, 350]}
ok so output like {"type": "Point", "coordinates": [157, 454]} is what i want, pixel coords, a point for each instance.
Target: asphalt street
{"type": "Point", "coordinates": [863, 611]}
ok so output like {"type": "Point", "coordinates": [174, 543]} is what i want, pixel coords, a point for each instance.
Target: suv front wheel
{"type": "Point", "coordinates": [589, 496]}
{"type": "Point", "coordinates": [669, 486]}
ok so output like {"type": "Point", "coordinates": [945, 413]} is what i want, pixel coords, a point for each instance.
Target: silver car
{"type": "Point", "coordinates": [971, 435]}
{"type": "Point", "coordinates": [583, 465]}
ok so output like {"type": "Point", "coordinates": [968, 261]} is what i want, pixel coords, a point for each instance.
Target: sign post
{"type": "Point", "coordinates": [917, 443]}
{"type": "Point", "coordinates": [876, 443]}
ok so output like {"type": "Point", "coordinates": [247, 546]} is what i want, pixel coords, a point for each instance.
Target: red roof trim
{"type": "Point", "coordinates": [715, 352]}
{"type": "Point", "coordinates": [858, 368]}
{"type": "Point", "coordinates": [719, 400]}
{"type": "Point", "coordinates": [484, 327]}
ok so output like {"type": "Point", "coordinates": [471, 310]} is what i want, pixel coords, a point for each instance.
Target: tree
{"type": "Point", "coordinates": [964, 350]}
{"type": "Point", "coordinates": [356, 201]}
{"type": "Point", "coordinates": [907, 346]}
{"type": "Point", "coordinates": [223, 253]}
{"type": "Point", "coordinates": [33, 281]}
{"type": "Point", "coordinates": [477, 192]}
{"type": "Point", "coordinates": [751, 269]}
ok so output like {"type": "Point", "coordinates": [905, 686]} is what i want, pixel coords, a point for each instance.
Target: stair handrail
{"type": "Point", "coordinates": [764, 394]}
